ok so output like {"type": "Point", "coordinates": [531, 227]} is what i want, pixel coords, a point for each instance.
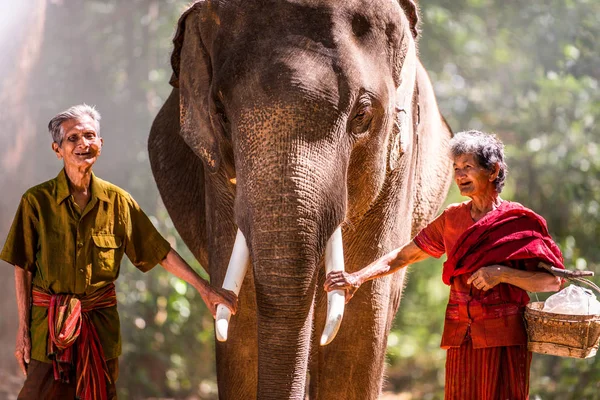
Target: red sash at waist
{"type": "Point", "coordinates": [490, 321]}
{"type": "Point", "coordinates": [68, 325]}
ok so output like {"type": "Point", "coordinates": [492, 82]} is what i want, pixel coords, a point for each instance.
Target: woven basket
{"type": "Point", "coordinates": [560, 334]}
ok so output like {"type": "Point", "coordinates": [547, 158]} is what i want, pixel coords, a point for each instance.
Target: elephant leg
{"type": "Point", "coordinates": [351, 367]}
{"type": "Point", "coordinates": [237, 358]}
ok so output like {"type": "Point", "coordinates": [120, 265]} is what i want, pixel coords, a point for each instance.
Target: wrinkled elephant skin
{"type": "Point", "coordinates": [289, 119]}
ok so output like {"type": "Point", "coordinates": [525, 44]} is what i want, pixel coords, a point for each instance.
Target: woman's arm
{"type": "Point", "coordinates": [487, 277]}
{"type": "Point", "coordinates": [23, 280]}
{"type": "Point", "coordinates": [387, 264]}
{"type": "Point", "coordinates": [212, 296]}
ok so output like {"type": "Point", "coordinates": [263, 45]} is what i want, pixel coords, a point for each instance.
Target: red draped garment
{"type": "Point", "coordinates": [74, 342]}
{"type": "Point", "coordinates": [484, 331]}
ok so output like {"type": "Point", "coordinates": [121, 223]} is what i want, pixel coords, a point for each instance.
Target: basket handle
{"type": "Point", "coordinates": [576, 276]}
{"type": "Point", "coordinates": [565, 273]}
{"type": "Point", "coordinates": [587, 282]}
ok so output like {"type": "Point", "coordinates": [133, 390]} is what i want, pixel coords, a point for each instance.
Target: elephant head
{"type": "Point", "coordinates": [288, 121]}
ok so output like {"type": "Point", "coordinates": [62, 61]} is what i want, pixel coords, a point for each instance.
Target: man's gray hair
{"type": "Point", "coordinates": [487, 149]}
{"type": "Point", "coordinates": [75, 112]}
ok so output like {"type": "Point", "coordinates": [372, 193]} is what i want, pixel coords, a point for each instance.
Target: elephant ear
{"type": "Point", "coordinates": [192, 75]}
{"type": "Point", "coordinates": [411, 11]}
{"type": "Point", "coordinates": [406, 105]}
{"type": "Point", "coordinates": [179, 176]}
{"type": "Point", "coordinates": [433, 168]}
{"type": "Point", "coordinates": [419, 128]}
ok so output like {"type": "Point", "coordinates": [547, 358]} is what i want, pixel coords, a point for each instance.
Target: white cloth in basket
{"type": "Point", "coordinates": [573, 300]}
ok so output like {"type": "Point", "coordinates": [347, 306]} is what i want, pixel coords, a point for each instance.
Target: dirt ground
{"type": "Point", "coordinates": [10, 384]}
{"type": "Point", "coordinates": [396, 396]}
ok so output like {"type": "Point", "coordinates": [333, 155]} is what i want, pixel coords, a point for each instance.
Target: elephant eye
{"type": "Point", "coordinates": [362, 119]}
{"type": "Point", "coordinates": [222, 116]}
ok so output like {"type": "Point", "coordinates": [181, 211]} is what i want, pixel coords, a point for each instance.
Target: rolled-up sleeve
{"type": "Point", "coordinates": [20, 247]}
{"type": "Point", "coordinates": [144, 245]}
{"type": "Point", "coordinates": [431, 238]}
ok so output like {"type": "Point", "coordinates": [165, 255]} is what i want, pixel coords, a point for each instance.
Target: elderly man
{"type": "Point", "coordinates": [66, 243]}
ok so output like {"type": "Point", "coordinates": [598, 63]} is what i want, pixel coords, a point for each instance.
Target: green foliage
{"type": "Point", "coordinates": [527, 71]}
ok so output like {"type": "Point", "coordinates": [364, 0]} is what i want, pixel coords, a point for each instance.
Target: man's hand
{"type": "Point", "coordinates": [23, 349]}
{"type": "Point", "coordinates": [486, 278]}
{"type": "Point", "coordinates": [213, 296]}
{"type": "Point", "coordinates": [341, 280]}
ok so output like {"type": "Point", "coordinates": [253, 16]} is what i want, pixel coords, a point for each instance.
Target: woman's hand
{"type": "Point", "coordinates": [23, 349]}
{"type": "Point", "coordinates": [341, 280]}
{"type": "Point", "coordinates": [213, 296]}
{"type": "Point", "coordinates": [532, 281]}
{"type": "Point", "coordinates": [486, 278]}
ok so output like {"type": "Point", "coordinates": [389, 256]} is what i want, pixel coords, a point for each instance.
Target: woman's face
{"type": "Point", "coordinates": [81, 144]}
{"type": "Point", "coordinates": [471, 178]}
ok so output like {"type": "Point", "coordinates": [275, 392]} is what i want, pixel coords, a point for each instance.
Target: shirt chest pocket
{"type": "Point", "coordinates": [107, 253]}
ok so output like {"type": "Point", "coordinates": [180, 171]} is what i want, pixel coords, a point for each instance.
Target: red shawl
{"type": "Point", "coordinates": [510, 233]}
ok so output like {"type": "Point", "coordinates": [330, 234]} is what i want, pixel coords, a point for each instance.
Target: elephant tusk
{"type": "Point", "coordinates": [236, 270]}
{"type": "Point", "coordinates": [334, 261]}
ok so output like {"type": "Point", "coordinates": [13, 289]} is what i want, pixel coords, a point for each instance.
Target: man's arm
{"type": "Point", "coordinates": [388, 264]}
{"type": "Point", "coordinates": [23, 280]}
{"type": "Point", "coordinates": [212, 296]}
{"type": "Point", "coordinates": [487, 277]}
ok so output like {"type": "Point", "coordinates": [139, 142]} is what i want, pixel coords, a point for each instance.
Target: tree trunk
{"type": "Point", "coordinates": [26, 35]}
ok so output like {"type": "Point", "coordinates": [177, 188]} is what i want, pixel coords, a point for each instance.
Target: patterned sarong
{"type": "Point", "coordinates": [73, 339]}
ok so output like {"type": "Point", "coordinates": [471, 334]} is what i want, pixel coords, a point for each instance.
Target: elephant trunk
{"type": "Point", "coordinates": [290, 199]}
{"type": "Point", "coordinates": [286, 252]}
{"type": "Point", "coordinates": [285, 289]}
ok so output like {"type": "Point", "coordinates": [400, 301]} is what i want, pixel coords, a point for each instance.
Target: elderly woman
{"type": "Point", "coordinates": [66, 243]}
{"type": "Point", "coordinates": [495, 251]}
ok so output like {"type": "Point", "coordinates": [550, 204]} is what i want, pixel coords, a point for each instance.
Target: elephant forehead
{"type": "Point", "coordinates": [307, 45]}
{"type": "Point", "coordinates": [293, 46]}
{"type": "Point", "coordinates": [328, 22]}
{"type": "Point", "coordinates": [292, 75]}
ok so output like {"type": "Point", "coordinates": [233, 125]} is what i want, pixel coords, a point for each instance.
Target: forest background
{"type": "Point", "coordinates": [526, 70]}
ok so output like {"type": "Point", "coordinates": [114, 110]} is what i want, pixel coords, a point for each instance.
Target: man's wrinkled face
{"type": "Point", "coordinates": [81, 144]}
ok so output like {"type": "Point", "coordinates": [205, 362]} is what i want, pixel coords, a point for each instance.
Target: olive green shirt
{"type": "Point", "coordinates": [75, 251]}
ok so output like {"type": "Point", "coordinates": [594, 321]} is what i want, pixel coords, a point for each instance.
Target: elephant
{"type": "Point", "coordinates": [288, 120]}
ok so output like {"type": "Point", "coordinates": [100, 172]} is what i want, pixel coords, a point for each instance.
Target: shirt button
{"type": "Point", "coordinates": [80, 269]}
